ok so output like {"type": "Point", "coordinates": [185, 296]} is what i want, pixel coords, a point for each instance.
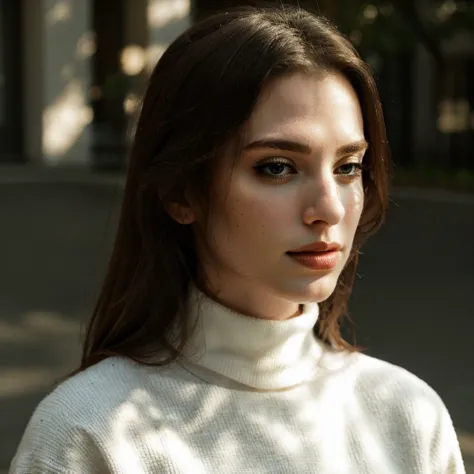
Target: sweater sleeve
{"type": "Point", "coordinates": [414, 418]}
{"type": "Point", "coordinates": [432, 430]}
{"type": "Point", "coordinates": [52, 444]}
{"type": "Point", "coordinates": [446, 455]}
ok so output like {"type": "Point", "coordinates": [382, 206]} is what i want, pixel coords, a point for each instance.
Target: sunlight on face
{"type": "Point", "coordinates": [298, 181]}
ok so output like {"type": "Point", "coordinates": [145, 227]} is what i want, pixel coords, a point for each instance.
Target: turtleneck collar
{"type": "Point", "coordinates": [258, 353]}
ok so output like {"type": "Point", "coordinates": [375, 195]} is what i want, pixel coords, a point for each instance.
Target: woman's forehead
{"type": "Point", "coordinates": [302, 107]}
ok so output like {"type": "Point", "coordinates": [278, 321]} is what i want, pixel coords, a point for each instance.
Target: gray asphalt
{"type": "Point", "coordinates": [413, 302]}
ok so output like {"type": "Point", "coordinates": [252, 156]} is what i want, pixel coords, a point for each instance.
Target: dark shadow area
{"type": "Point", "coordinates": [412, 302]}
{"type": "Point", "coordinates": [54, 242]}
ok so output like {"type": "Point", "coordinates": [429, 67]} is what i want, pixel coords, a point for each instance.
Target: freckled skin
{"type": "Point", "coordinates": [257, 219]}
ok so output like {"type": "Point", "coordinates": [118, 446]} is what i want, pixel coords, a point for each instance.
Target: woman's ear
{"type": "Point", "coordinates": [181, 213]}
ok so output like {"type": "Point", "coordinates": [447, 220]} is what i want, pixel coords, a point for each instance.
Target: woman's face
{"type": "Point", "coordinates": [297, 182]}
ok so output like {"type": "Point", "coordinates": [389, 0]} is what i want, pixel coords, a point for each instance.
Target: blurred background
{"type": "Point", "coordinates": [72, 73]}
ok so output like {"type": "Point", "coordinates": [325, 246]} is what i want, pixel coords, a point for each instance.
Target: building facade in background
{"type": "Point", "coordinates": [72, 73]}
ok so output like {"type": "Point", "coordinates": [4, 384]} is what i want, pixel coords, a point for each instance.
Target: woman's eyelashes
{"type": "Point", "coordinates": [275, 168]}
{"type": "Point", "coordinates": [352, 169]}
{"type": "Point", "coordinates": [280, 168]}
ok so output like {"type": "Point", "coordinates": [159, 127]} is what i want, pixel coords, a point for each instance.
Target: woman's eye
{"type": "Point", "coordinates": [275, 169]}
{"type": "Point", "coordinates": [350, 169]}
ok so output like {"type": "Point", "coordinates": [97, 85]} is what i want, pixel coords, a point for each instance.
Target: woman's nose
{"type": "Point", "coordinates": [325, 206]}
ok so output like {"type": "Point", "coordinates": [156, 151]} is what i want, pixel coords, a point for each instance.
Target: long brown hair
{"type": "Point", "coordinates": [200, 94]}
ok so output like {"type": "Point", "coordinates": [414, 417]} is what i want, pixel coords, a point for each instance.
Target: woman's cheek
{"type": "Point", "coordinates": [354, 203]}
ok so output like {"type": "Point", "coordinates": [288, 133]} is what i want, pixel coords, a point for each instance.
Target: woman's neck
{"type": "Point", "coordinates": [264, 354]}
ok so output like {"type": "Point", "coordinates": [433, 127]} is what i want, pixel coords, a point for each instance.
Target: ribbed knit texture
{"type": "Point", "coordinates": [253, 396]}
{"type": "Point", "coordinates": [263, 354]}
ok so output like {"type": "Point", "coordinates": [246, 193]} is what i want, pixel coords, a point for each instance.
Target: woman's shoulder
{"type": "Point", "coordinates": [399, 405]}
{"type": "Point", "coordinates": [102, 387]}
{"type": "Point", "coordinates": [377, 379]}
{"type": "Point", "coordinates": [84, 410]}
{"type": "Point", "coordinates": [399, 398]}
{"type": "Point", "coordinates": [84, 399]}
{"type": "Point", "coordinates": [390, 378]}
{"type": "Point", "coordinates": [409, 409]}
{"type": "Point", "coordinates": [386, 390]}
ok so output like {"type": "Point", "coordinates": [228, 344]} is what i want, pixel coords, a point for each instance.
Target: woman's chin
{"type": "Point", "coordinates": [315, 291]}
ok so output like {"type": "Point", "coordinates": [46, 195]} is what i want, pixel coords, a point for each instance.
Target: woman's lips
{"type": "Point", "coordinates": [317, 260]}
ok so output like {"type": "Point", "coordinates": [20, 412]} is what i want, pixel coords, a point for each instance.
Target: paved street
{"type": "Point", "coordinates": [413, 302]}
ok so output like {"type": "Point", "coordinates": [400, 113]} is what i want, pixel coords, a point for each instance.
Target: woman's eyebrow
{"type": "Point", "coordinates": [355, 147]}
{"type": "Point", "coordinates": [297, 147]}
{"type": "Point", "coordinates": [286, 145]}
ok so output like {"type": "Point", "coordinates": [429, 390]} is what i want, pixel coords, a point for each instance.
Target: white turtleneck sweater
{"type": "Point", "coordinates": [252, 396]}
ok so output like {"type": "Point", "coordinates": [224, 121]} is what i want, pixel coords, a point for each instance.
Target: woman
{"type": "Point", "coordinates": [259, 169]}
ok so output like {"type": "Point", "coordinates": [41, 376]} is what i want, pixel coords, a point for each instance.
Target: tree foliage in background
{"type": "Point", "coordinates": [384, 26]}
{"type": "Point", "coordinates": [393, 26]}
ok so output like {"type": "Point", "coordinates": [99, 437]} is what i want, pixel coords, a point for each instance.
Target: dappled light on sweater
{"type": "Point", "coordinates": [175, 423]}
{"type": "Point", "coordinates": [228, 410]}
